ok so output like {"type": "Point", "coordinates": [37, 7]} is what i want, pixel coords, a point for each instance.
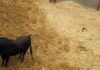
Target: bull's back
{"type": "Point", "coordinates": [23, 40]}
{"type": "Point", "coordinates": [7, 46]}
{"type": "Point", "coordinates": [23, 43]}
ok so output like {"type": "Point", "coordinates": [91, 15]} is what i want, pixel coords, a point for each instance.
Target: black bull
{"type": "Point", "coordinates": [13, 47]}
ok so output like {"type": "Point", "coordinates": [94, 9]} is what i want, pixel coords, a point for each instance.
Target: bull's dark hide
{"type": "Point", "coordinates": [14, 47]}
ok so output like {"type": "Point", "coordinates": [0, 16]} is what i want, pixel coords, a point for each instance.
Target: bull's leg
{"type": "Point", "coordinates": [3, 60]}
{"type": "Point", "coordinates": [20, 56]}
{"type": "Point", "coordinates": [6, 63]}
{"type": "Point", "coordinates": [23, 56]}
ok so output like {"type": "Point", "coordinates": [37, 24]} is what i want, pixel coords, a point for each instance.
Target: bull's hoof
{"type": "Point", "coordinates": [6, 65]}
{"type": "Point", "coordinates": [2, 64]}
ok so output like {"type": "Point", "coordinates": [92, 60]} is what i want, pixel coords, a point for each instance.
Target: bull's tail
{"type": "Point", "coordinates": [31, 52]}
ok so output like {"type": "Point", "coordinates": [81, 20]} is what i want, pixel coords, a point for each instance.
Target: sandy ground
{"type": "Point", "coordinates": [65, 35]}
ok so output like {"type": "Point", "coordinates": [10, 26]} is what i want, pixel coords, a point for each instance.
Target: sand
{"type": "Point", "coordinates": [65, 35]}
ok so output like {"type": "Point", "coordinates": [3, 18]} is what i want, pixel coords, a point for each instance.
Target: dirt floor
{"type": "Point", "coordinates": [65, 35]}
